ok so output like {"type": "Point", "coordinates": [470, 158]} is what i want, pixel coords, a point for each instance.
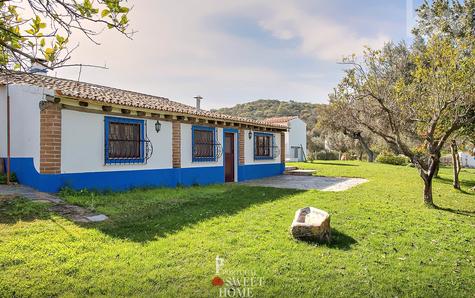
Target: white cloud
{"type": "Point", "coordinates": [319, 36]}
{"type": "Point", "coordinates": [178, 54]}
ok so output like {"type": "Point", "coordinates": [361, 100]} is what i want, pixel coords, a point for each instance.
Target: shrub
{"type": "Point", "coordinates": [388, 158]}
{"type": "Point", "coordinates": [327, 155]}
{"type": "Point", "coordinates": [3, 178]}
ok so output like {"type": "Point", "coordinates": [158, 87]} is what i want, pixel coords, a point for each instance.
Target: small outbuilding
{"type": "Point", "coordinates": [295, 137]}
{"type": "Point", "coordinates": [60, 132]}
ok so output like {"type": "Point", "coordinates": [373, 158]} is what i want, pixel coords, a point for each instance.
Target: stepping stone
{"type": "Point", "coordinates": [290, 168]}
{"type": "Point", "coordinates": [97, 218]}
{"type": "Point", "coordinates": [301, 172]}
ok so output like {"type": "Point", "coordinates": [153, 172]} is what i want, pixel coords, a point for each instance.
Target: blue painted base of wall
{"type": "Point", "coordinates": [123, 180]}
{"type": "Point", "coordinates": [256, 171]}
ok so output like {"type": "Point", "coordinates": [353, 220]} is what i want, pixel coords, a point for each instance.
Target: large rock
{"type": "Point", "coordinates": [311, 224]}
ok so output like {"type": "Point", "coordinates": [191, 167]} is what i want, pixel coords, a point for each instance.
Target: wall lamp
{"type": "Point", "coordinates": [249, 135]}
{"type": "Point", "coordinates": [158, 126]}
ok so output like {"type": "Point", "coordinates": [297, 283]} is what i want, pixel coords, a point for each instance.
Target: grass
{"type": "Point", "coordinates": [163, 242]}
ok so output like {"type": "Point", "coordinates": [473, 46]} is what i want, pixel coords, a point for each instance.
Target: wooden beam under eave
{"type": "Point", "coordinates": [125, 111]}
{"type": "Point", "coordinates": [107, 108]}
{"type": "Point", "coordinates": [141, 113]}
{"type": "Point", "coordinates": [83, 104]}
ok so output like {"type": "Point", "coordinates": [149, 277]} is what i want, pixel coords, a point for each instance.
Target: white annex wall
{"type": "Point", "coordinates": [249, 150]}
{"type": "Point", "coordinates": [24, 120]}
{"type": "Point", "coordinates": [3, 121]}
{"type": "Point", "coordinates": [297, 137]}
{"type": "Point", "coordinates": [82, 144]}
{"type": "Point", "coordinates": [187, 147]}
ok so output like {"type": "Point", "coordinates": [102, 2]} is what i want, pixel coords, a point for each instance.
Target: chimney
{"type": "Point", "coordinates": [36, 67]}
{"type": "Point", "coordinates": [198, 102]}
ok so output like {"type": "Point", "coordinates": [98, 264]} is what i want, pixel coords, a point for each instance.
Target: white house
{"type": "Point", "coordinates": [295, 137]}
{"type": "Point", "coordinates": [467, 160]}
{"type": "Point", "coordinates": [67, 133]}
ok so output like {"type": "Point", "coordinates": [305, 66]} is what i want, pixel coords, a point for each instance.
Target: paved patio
{"type": "Point", "coordinates": [73, 212]}
{"type": "Point", "coordinates": [307, 182]}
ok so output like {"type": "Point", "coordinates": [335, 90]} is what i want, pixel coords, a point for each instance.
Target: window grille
{"type": "Point", "coordinates": [264, 146]}
{"type": "Point", "coordinates": [126, 141]}
{"type": "Point", "coordinates": [205, 144]}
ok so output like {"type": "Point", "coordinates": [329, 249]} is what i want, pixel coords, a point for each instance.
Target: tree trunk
{"type": "Point", "coordinates": [428, 201]}
{"type": "Point", "coordinates": [368, 151]}
{"type": "Point", "coordinates": [455, 164]}
{"type": "Point", "coordinates": [427, 178]}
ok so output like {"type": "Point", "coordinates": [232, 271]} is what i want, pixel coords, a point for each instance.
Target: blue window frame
{"type": "Point", "coordinates": [263, 145]}
{"type": "Point", "coordinates": [203, 139]}
{"type": "Point", "coordinates": [124, 140]}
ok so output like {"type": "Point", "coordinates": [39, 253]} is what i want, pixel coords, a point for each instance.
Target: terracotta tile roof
{"type": "Point", "coordinates": [109, 95]}
{"type": "Point", "coordinates": [280, 120]}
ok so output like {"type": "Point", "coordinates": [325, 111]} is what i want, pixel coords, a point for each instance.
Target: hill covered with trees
{"type": "Point", "coordinates": [267, 108]}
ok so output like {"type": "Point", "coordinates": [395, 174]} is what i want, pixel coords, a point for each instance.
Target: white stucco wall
{"type": "Point", "coordinates": [186, 148]}
{"type": "Point", "coordinates": [466, 160]}
{"type": "Point", "coordinates": [3, 121]}
{"type": "Point", "coordinates": [249, 150]}
{"type": "Point", "coordinates": [25, 121]}
{"type": "Point", "coordinates": [82, 144]}
{"type": "Point", "coordinates": [297, 136]}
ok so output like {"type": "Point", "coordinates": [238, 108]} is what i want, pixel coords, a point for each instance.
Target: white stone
{"type": "Point", "coordinates": [97, 218]}
{"type": "Point", "coordinates": [311, 224]}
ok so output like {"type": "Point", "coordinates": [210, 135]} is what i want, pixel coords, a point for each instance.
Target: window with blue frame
{"type": "Point", "coordinates": [204, 143]}
{"type": "Point", "coordinates": [124, 140]}
{"type": "Point", "coordinates": [263, 145]}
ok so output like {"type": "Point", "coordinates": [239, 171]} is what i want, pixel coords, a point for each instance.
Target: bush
{"type": "Point", "coordinates": [327, 155]}
{"type": "Point", "coordinates": [388, 158]}
{"type": "Point", "coordinates": [3, 178]}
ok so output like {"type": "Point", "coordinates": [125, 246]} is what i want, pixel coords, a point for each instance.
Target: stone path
{"type": "Point", "coordinates": [72, 212]}
{"type": "Point", "coordinates": [307, 182]}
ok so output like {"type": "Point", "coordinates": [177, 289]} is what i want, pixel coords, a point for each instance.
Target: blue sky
{"type": "Point", "coordinates": [236, 51]}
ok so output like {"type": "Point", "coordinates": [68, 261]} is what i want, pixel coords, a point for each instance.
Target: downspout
{"type": "Point", "coordinates": [8, 137]}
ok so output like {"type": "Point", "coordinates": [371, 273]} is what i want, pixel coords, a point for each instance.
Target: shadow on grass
{"type": "Point", "coordinates": [338, 240]}
{"type": "Point", "coordinates": [160, 212]}
{"type": "Point", "coordinates": [464, 183]}
{"type": "Point", "coordinates": [15, 209]}
{"type": "Point", "coordinates": [457, 211]}
{"type": "Point", "coordinates": [333, 164]}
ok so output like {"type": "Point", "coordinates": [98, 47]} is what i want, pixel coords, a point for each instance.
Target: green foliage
{"type": "Point", "coordinates": [389, 158]}
{"type": "Point", "coordinates": [22, 209]}
{"type": "Point", "coordinates": [163, 242]}
{"type": "Point", "coordinates": [3, 178]}
{"type": "Point", "coordinates": [268, 108]}
{"type": "Point", "coordinates": [327, 155]}
{"type": "Point", "coordinates": [41, 30]}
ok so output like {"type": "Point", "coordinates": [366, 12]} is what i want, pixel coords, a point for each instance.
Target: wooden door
{"type": "Point", "coordinates": [229, 157]}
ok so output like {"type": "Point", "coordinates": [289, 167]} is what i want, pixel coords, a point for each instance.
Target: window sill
{"type": "Point", "coordinates": [264, 157]}
{"type": "Point", "coordinates": [203, 159]}
{"type": "Point", "coordinates": [124, 161]}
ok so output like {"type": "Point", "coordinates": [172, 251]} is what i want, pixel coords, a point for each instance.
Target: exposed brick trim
{"type": "Point", "coordinates": [176, 144]}
{"type": "Point", "coordinates": [241, 146]}
{"type": "Point", "coordinates": [282, 147]}
{"type": "Point", "coordinates": [50, 139]}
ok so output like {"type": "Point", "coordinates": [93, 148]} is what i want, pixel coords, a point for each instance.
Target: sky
{"type": "Point", "coordinates": [232, 52]}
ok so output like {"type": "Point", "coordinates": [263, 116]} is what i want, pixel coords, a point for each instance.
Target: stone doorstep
{"type": "Point", "coordinates": [300, 172]}
{"type": "Point", "coordinates": [290, 168]}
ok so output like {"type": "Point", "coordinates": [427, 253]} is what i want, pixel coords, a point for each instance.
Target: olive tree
{"type": "Point", "coordinates": [337, 117]}
{"type": "Point", "coordinates": [39, 31]}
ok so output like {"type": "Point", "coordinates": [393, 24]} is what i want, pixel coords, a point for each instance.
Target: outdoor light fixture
{"type": "Point", "coordinates": [158, 125]}
{"type": "Point", "coordinates": [250, 135]}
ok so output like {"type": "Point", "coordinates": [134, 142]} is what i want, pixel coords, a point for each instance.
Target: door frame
{"type": "Point", "coordinates": [236, 152]}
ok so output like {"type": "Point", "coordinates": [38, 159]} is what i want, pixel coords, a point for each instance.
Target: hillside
{"type": "Point", "coordinates": [267, 108]}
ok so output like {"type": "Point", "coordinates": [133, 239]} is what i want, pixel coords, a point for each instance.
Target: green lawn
{"type": "Point", "coordinates": [163, 242]}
